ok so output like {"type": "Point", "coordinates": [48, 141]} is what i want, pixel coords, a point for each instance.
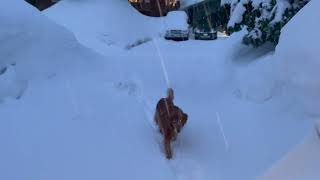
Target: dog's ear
{"type": "Point", "coordinates": [185, 116]}
{"type": "Point", "coordinates": [184, 119]}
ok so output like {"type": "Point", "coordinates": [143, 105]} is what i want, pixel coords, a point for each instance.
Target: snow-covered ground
{"type": "Point", "coordinates": [299, 64]}
{"type": "Point", "coordinates": [83, 110]}
{"type": "Point", "coordinates": [67, 122]}
{"type": "Point", "coordinates": [300, 163]}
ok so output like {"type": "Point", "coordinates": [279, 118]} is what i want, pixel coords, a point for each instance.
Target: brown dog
{"type": "Point", "coordinates": [170, 120]}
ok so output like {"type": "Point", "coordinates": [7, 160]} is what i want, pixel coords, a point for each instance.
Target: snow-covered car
{"type": "Point", "coordinates": [177, 26]}
{"type": "Point", "coordinates": [205, 34]}
{"type": "Point", "coordinates": [177, 35]}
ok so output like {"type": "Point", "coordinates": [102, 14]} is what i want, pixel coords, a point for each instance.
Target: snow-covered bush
{"type": "Point", "coordinates": [262, 18]}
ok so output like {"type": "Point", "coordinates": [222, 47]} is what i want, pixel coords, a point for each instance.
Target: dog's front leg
{"type": "Point", "coordinates": [167, 146]}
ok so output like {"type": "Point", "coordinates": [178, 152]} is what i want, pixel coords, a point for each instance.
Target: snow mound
{"type": "Point", "coordinates": [33, 47]}
{"type": "Point", "coordinates": [298, 65]}
{"type": "Point", "coordinates": [69, 123]}
{"type": "Point", "coordinates": [298, 54]}
{"type": "Point", "coordinates": [301, 163]}
{"type": "Point", "coordinates": [110, 24]}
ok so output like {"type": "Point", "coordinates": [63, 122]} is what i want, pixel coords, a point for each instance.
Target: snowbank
{"type": "Point", "coordinates": [301, 163]}
{"type": "Point", "coordinates": [32, 47]}
{"type": "Point", "coordinates": [297, 66]}
{"type": "Point", "coordinates": [298, 54]}
{"type": "Point", "coordinates": [257, 82]}
{"type": "Point", "coordinates": [103, 25]}
{"type": "Point", "coordinates": [69, 123]}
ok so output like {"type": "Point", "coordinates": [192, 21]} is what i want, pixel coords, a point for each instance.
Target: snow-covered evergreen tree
{"type": "Point", "coordinates": [262, 18]}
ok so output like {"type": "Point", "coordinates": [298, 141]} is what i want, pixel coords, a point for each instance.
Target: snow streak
{"type": "Point", "coordinates": [164, 69]}
{"type": "Point", "coordinates": [222, 131]}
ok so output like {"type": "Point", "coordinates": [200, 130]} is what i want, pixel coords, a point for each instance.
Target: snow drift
{"type": "Point", "coordinates": [32, 47]}
{"type": "Point", "coordinates": [65, 125]}
{"type": "Point", "coordinates": [102, 25]}
{"type": "Point", "coordinates": [300, 163]}
{"type": "Point", "coordinates": [298, 54]}
{"type": "Point", "coordinates": [298, 66]}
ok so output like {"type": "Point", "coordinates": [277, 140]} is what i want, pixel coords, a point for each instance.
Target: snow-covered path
{"type": "Point", "coordinates": [205, 86]}
{"type": "Point", "coordinates": [83, 110]}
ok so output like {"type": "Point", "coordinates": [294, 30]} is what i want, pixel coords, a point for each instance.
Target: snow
{"type": "Point", "coordinates": [86, 107]}
{"type": "Point", "coordinates": [236, 14]}
{"type": "Point", "coordinates": [280, 9]}
{"type": "Point", "coordinates": [226, 2]}
{"type": "Point", "coordinates": [64, 126]}
{"type": "Point", "coordinates": [23, 36]}
{"type": "Point", "coordinates": [238, 9]}
{"type": "Point", "coordinates": [298, 57]}
{"type": "Point", "coordinates": [298, 53]}
{"type": "Point", "coordinates": [256, 3]}
{"type": "Point", "coordinates": [113, 24]}
{"type": "Point", "coordinates": [301, 163]}
{"type": "Point", "coordinates": [176, 20]}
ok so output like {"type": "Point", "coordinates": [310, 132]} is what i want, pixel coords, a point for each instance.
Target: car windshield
{"type": "Point", "coordinates": [204, 30]}
{"type": "Point", "coordinates": [176, 31]}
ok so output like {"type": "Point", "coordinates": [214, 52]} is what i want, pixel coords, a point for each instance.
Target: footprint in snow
{"type": "Point", "coordinates": [185, 168]}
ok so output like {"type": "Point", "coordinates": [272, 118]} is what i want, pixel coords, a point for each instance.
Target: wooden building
{"type": "Point", "coordinates": [155, 8]}
{"type": "Point", "coordinates": [208, 14]}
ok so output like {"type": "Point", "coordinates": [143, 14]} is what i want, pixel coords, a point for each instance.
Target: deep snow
{"type": "Point", "coordinates": [299, 66]}
{"type": "Point", "coordinates": [300, 163]}
{"type": "Point", "coordinates": [64, 125]}
{"type": "Point", "coordinates": [105, 26]}
{"type": "Point", "coordinates": [299, 61]}
{"type": "Point", "coordinates": [91, 118]}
